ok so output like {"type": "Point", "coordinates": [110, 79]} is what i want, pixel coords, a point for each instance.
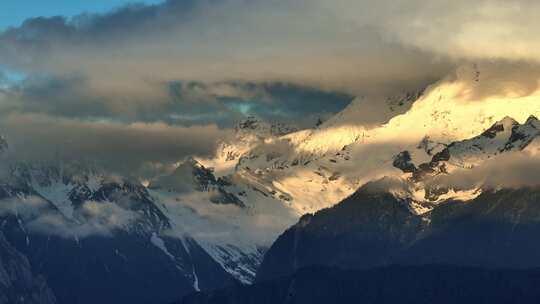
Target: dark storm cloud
{"type": "Point", "coordinates": [181, 103]}
{"type": "Point", "coordinates": [302, 104]}
{"type": "Point", "coordinates": [298, 105]}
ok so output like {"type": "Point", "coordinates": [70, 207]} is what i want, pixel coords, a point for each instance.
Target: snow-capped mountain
{"type": "Point", "coordinates": [248, 134]}
{"type": "Point", "coordinates": [193, 230]}
{"type": "Point", "coordinates": [315, 168]}
{"type": "Point", "coordinates": [506, 135]}
{"type": "Point", "coordinates": [111, 231]}
{"type": "Point", "coordinates": [208, 222]}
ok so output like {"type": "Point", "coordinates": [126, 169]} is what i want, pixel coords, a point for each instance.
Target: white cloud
{"type": "Point", "coordinates": [94, 218]}
{"type": "Point", "coordinates": [510, 170]}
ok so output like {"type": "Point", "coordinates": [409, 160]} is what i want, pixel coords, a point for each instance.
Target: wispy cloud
{"type": "Point", "coordinates": [94, 218]}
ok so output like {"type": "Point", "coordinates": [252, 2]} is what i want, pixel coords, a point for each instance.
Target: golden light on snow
{"type": "Point", "coordinates": [451, 110]}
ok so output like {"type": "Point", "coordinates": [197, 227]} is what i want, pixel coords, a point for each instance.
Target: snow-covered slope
{"type": "Point", "coordinates": [313, 169]}
{"type": "Point", "coordinates": [502, 137]}
{"type": "Point", "coordinates": [231, 222]}
{"type": "Point", "coordinates": [248, 134]}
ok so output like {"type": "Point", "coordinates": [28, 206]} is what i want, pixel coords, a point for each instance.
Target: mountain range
{"type": "Point", "coordinates": [276, 203]}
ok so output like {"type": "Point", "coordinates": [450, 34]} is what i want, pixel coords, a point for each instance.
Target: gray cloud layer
{"type": "Point", "coordinates": [118, 146]}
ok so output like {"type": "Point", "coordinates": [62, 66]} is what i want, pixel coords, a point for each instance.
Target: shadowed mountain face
{"type": "Point", "coordinates": [395, 284]}
{"type": "Point", "coordinates": [496, 229]}
{"type": "Point", "coordinates": [373, 228]}
{"type": "Point", "coordinates": [365, 230]}
{"type": "Point", "coordinates": [18, 284]}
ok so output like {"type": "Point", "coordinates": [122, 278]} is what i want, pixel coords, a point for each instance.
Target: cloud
{"type": "Point", "coordinates": [51, 118]}
{"type": "Point", "coordinates": [26, 207]}
{"type": "Point", "coordinates": [94, 218]}
{"type": "Point", "coordinates": [489, 29]}
{"type": "Point", "coordinates": [97, 218]}
{"type": "Point", "coordinates": [513, 170]}
{"type": "Point", "coordinates": [340, 44]}
{"type": "Point", "coordinates": [501, 79]}
{"type": "Point", "coordinates": [228, 102]}
{"type": "Point", "coordinates": [123, 147]}
{"type": "Point", "coordinates": [129, 56]}
{"type": "Point", "coordinates": [180, 103]}
{"type": "Point", "coordinates": [356, 46]}
{"type": "Point", "coordinates": [308, 42]}
{"type": "Point", "coordinates": [226, 224]}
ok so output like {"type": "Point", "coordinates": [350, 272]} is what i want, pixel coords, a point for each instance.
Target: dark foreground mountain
{"type": "Point", "coordinates": [18, 284]}
{"type": "Point", "coordinates": [373, 228]}
{"type": "Point", "coordinates": [393, 284]}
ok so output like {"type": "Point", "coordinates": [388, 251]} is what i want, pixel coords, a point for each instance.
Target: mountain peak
{"type": "Point", "coordinates": [250, 123]}
{"type": "Point", "coordinates": [533, 121]}
{"type": "Point", "coordinates": [191, 162]}
{"type": "Point", "coordinates": [507, 121]}
{"type": "Point", "coordinates": [505, 124]}
{"type": "Point", "coordinates": [259, 127]}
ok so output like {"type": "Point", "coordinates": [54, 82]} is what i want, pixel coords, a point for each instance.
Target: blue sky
{"type": "Point", "coordinates": [14, 12]}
